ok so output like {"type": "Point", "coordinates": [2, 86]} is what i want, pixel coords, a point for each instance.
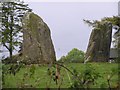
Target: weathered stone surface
{"type": "Point", "coordinates": [99, 43]}
{"type": "Point", "coordinates": [37, 44]}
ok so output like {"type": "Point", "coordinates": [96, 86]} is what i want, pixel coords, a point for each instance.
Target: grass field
{"type": "Point", "coordinates": [41, 79]}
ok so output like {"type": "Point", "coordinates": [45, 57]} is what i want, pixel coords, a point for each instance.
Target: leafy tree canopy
{"type": "Point", "coordinates": [75, 55]}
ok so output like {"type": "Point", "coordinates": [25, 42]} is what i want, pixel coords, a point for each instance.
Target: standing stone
{"type": "Point", "coordinates": [99, 43]}
{"type": "Point", "coordinates": [37, 44]}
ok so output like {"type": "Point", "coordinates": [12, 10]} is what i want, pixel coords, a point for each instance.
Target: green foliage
{"type": "Point", "coordinates": [74, 56]}
{"type": "Point", "coordinates": [86, 78]}
{"type": "Point", "coordinates": [62, 59]}
{"type": "Point", "coordinates": [32, 70]}
{"type": "Point", "coordinates": [12, 68]}
{"type": "Point", "coordinates": [103, 85]}
{"type": "Point", "coordinates": [80, 74]}
{"type": "Point", "coordinates": [11, 26]}
{"type": "Point", "coordinates": [115, 21]}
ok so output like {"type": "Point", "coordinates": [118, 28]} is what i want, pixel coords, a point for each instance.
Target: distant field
{"type": "Point", "coordinates": [41, 79]}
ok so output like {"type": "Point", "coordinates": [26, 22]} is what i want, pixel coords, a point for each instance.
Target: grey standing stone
{"type": "Point", "coordinates": [99, 43]}
{"type": "Point", "coordinates": [37, 44]}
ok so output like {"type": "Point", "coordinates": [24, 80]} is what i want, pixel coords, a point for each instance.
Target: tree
{"type": "Point", "coordinates": [75, 55]}
{"type": "Point", "coordinates": [62, 59]}
{"type": "Point", "coordinates": [11, 26]}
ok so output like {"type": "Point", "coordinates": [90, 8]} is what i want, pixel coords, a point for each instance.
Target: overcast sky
{"type": "Point", "coordinates": [65, 20]}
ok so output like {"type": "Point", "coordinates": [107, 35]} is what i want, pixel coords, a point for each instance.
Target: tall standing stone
{"type": "Point", "coordinates": [99, 43]}
{"type": "Point", "coordinates": [37, 44]}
